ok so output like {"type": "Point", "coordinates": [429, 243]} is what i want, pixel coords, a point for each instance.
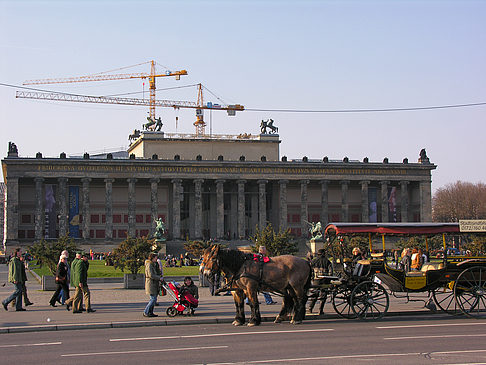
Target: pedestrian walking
{"type": "Point", "coordinates": [27, 302]}
{"type": "Point", "coordinates": [16, 278]}
{"type": "Point", "coordinates": [62, 281]}
{"type": "Point", "coordinates": [77, 300]}
{"type": "Point", "coordinates": [83, 284]}
{"type": "Point", "coordinates": [152, 282]}
{"type": "Point", "coordinates": [61, 299]}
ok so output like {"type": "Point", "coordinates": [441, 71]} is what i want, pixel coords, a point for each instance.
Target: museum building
{"type": "Point", "coordinates": [219, 186]}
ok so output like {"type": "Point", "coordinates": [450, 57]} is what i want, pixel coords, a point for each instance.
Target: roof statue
{"type": "Point", "coordinates": [134, 135]}
{"type": "Point", "coordinates": [12, 150]}
{"type": "Point", "coordinates": [153, 124]}
{"type": "Point", "coordinates": [423, 157]}
{"type": "Point", "coordinates": [268, 124]}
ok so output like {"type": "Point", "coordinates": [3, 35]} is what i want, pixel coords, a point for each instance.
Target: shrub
{"type": "Point", "coordinates": [132, 253]}
{"type": "Point", "coordinates": [276, 243]}
{"type": "Point", "coordinates": [47, 252]}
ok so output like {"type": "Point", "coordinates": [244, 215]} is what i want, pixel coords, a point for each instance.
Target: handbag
{"type": "Point", "coordinates": [162, 291]}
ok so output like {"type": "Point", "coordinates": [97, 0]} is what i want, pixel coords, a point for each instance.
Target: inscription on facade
{"type": "Point", "coordinates": [222, 170]}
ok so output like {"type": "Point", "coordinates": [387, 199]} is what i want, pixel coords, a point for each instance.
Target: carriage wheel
{"type": "Point", "coordinates": [171, 312]}
{"type": "Point", "coordinates": [369, 300]}
{"type": "Point", "coordinates": [444, 299]}
{"type": "Point", "coordinates": [341, 299]}
{"type": "Point", "coordinates": [470, 291]}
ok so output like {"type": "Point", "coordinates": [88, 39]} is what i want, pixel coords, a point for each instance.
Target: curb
{"type": "Point", "coordinates": [164, 322]}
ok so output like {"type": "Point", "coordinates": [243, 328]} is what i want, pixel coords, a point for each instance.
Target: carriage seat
{"type": "Point", "coordinates": [377, 255]}
{"type": "Point", "coordinates": [325, 280]}
{"type": "Point", "coordinates": [428, 267]}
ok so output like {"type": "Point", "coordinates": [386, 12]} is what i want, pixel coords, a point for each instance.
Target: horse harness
{"type": "Point", "coordinates": [261, 261]}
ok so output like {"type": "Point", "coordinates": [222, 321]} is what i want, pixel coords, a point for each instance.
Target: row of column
{"type": "Point", "coordinates": [424, 212]}
{"type": "Point", "coordinates": [12, 203]}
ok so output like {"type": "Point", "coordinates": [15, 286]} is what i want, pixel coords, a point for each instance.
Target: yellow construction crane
{"type": "Point", "coordinates": [57, 96]}
{"type": "Point", "coordinates": [103, 77]}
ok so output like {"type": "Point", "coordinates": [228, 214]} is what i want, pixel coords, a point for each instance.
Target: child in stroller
{"type": "Point", "coordinates": [185, 296]}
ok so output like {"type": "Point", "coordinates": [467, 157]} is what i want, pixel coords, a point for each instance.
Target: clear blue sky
{"type": "Point", "coordinates": [317, 55]}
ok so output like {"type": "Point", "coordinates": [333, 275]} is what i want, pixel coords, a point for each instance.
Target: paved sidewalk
{"type": "Point", "coordinates": [118, 307]}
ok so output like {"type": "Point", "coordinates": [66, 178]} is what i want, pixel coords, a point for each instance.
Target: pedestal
{"type": "Point", "coordinates": [316, 245]}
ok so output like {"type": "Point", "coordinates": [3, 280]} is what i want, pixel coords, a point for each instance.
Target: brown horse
{"type": "Point", "coordinates": [246, 275]}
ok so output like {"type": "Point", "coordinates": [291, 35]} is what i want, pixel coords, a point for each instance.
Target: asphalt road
{"type": "Point", "coordinates": [428, 340]}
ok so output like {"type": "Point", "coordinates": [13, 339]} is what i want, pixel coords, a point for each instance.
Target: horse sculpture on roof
{"type": "Point", "coordinates": [268, 124]}
{"type": "Point", "coordinates": [246, 275]}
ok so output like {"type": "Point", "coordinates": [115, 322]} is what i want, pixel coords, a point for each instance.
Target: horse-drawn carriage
{"type": "Point", "coordinates": [457, 285]}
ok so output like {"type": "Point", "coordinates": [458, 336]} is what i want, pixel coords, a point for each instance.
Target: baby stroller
{"type": "Point", "coordinates": [183, 300]}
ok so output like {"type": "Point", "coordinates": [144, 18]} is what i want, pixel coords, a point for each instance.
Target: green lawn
{"type": "Point", "coordinates": [97, 269]}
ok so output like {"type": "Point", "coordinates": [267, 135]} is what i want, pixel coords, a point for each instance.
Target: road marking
{"type": "Point", "coordinates": [433, 325]}
{"type": "Point", "coordinates": [143, 351]}
{"type": "Point", "coordinates": [433, 336]}
{"type": "Point", "coordinates": [347, 357]}
{"type": "Point", "coordinates": [32, 344]}
{"type": "Point", "coordinates": [218, 334]}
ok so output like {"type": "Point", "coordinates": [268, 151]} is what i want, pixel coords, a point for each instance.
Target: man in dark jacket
{"type": "Point", "coordinates": [27, 302]}
{"type": "Point", "coordinates": [17, 279]}
{"type": "Point", "coordinates": [83, 283]}
{"type": "Point", "coordinates": [321, 266]}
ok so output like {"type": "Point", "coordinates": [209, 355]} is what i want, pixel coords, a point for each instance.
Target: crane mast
{"type": "Point", "coordinates": [199, 123]}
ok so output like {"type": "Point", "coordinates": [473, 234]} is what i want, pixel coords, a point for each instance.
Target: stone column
{"type": "Point", "coordinates": [39, 207]}
{"type": "Point", "coordinates": [404, 200]}
{"type": "Point", "coordinates": [254, 213]}
{"type": "Point", "coordinates": [425, 201]}
{"type": "Point", "coordinates": [63, 206]}
{"type": "Point", "coordinates": [198, 208]}
{"type": "Point", "coordinates": [324, 202]}
{"type": "Point", "coordinates": [304, 211]}
{"type": "Point", "coordinates": [12, 210]}
{"type": "Point", "coordinates": [283, 204]}
{"type": "Point", "coordinates": [365, 204]}
{"type": "Point", "coordinates": [109, 209]}
{"type": "Point", "coordinates": [384, 201]}
{"type": "Point", "coordinates": [132, 203]}
{"type": "Point", "coordinates": [262, 203]}
{"type": "Point", "coordinates": [344, 201]}
{"type": "Point", "coordinates": [219, 209]}
{"type": "Point", "coordinates": [154, 203]}
{"type": "Point", "coordinates": [241, 209]}
{"type": "Point", "coordinates": [86, 211]}
{"type": "Point", "coordinates": [176, 208]}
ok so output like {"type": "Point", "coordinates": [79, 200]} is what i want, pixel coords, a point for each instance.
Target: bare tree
{"type": "Point", "coordinates": [460, 200]}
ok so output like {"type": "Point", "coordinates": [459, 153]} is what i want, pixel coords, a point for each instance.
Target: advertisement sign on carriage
{"type": "Point", "coordinates": [472, 225]}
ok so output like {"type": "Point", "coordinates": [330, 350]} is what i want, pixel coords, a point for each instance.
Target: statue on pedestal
{"type": "Point", "coordinates": [315, 231]}
{"type": "Point", "coordinates": [268, 124]}
{"type": "Point", "coordinates": [423, 157]}
{"type": "Point", "coordinates": [159, 230]}
{"type": "Point", "coordinates": [12, 150]}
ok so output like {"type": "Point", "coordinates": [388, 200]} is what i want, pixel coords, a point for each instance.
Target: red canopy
{"type": "Point", "coordinates": [393, 228]}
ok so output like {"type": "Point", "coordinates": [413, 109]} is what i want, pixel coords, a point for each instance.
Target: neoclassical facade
{"type": "Point", "coordinates": [219, 187]}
